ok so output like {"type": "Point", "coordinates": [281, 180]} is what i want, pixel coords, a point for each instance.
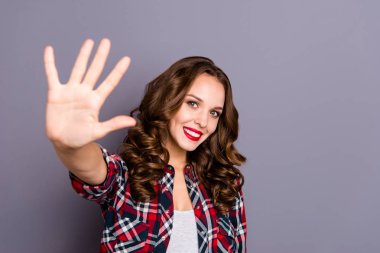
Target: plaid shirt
{"type": "Point", "coordinates": [132, 226]}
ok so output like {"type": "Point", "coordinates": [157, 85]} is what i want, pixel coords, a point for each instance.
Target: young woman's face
{"type": "Point", "coordinates": [199, 114]}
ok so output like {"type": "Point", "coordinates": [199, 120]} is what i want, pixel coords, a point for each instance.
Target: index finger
{"type": "Point", "coordinates": [50, 68]}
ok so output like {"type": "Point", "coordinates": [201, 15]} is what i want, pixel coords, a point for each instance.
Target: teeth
{"type": "Point", "coordinates": [192, 133]}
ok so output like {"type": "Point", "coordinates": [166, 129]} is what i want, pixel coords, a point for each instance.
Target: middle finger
{"type": "Point", "coordinates": [80, 65]}
{"type": "Point", "coordinates": [98, 63]}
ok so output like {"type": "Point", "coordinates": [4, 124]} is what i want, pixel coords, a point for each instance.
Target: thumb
{"type": "Point", "coordinates": [114, 124]}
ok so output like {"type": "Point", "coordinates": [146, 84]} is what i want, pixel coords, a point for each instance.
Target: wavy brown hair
{"type": "Point", "coordinates": [214, 160]}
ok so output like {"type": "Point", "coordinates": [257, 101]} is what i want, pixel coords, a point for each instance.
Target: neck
{"type": "Point", "coordinates": [178, 156]}
{"type": "Point", "coordinates": [178, 161]}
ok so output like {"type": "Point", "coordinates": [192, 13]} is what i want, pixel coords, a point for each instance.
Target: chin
{"type": "Point", "coordinates": [189, 149]}
{"type": "Point", "coordinates": [193, 147]}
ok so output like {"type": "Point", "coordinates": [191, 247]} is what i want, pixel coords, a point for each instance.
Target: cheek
{"type": "Point", "coordinates": [183, 115]}
{"type": "Point", "coordinates": [173, 125]}
{"type": "Point", "coordinates": [212, 127]}
{"type": "Point", "coordinates": [177, 118]}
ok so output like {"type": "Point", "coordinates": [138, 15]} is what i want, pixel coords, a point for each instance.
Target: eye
{"type": "Point", "coordinates": [192, 103]}
{"type": "Point", "coordinates": [215, 114]}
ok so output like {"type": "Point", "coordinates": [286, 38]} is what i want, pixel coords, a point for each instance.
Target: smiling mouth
{"type": "Point", "coordinates": [192, 135]}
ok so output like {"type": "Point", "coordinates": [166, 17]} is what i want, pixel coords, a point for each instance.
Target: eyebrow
{"type": "Point", "coordinates": [217, 107]}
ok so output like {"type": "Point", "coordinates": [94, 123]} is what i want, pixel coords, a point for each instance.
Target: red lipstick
{"type": "Point", "coordinates": [193, 138]}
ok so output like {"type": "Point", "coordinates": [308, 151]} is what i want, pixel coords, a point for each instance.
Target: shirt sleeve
{"type": "Point", "coordinates": [238, 219]}
{"type": "Point", "coordinates": [114, 183]}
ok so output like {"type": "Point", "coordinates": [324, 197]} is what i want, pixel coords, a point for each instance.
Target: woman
{"type": "Point", "coordinates": [173, 186]}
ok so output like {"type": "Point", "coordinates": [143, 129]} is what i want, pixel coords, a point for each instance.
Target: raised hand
{"type": "Point", "coordinates": [72, 109]}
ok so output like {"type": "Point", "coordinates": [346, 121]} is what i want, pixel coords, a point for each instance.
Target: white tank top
{"type": "Point", "coordinates": [184, 237]}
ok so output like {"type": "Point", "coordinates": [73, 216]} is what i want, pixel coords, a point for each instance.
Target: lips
{"type": "Point", "coordinates": [192, 133]}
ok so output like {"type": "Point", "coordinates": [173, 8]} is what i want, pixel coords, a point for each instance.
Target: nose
{"type": "Point", "coordinates": [201, 119]}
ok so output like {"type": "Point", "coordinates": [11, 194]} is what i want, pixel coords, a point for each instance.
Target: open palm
{"type": "Point", "coordinates": [72, 110]}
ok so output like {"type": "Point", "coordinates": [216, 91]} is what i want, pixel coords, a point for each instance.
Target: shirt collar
{"type": "Point", "coordinates": [189, 170]}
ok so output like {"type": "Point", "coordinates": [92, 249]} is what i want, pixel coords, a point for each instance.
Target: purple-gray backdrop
{"type": "Point", "coordinates": [306, 82]}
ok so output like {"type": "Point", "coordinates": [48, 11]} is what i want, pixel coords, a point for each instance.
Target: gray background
{"type": "Point", "coordinates": [306, 82]}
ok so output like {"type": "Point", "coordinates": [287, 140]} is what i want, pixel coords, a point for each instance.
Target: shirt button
{"type": "Point", "coordinates": [197, 207]}
{"type": "Point", "coordinates": [164, 237]}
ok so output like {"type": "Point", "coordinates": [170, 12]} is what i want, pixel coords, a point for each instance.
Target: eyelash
{"type": "Point", "coordinates": [191, 102]}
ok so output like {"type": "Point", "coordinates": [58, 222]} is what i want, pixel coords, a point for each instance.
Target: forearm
{"type": "Point", "coordinates": [86, 162]}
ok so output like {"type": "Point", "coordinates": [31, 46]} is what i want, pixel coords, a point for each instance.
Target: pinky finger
{"type": "Point", "coordinates": [50, 68]}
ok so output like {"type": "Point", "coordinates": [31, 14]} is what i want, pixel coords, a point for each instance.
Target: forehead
{"type": "Point", "coordinates": [209, 89]}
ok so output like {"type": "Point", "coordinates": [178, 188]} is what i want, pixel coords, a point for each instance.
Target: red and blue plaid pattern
{"type": "Point", "coordinates": [132, 226]}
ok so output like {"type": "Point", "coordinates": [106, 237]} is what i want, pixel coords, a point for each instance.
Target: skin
{"type": "Point", "coordinates": [72, 110]}
{"type": "Point", "coordinates": [72, 116]}
{"type": "Point", "coordinates": [200, 110]}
